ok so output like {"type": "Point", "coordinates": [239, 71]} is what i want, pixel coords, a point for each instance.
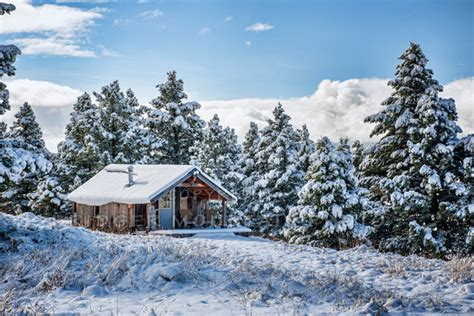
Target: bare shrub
{"type": "Point", "coordinates": [461, 269]}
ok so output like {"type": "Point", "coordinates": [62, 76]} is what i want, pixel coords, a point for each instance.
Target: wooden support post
{"type": "Point", "coordinates": [224, 213]}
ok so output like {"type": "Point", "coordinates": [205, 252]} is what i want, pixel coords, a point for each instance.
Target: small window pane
{"type": "Point", "coordinates": [165, 200]}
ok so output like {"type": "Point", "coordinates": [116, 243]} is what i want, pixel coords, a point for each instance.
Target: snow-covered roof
{"type": "Point", "coordinates": [149, 182]}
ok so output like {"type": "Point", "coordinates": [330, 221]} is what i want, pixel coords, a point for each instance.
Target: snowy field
{"type": "Point", "coordinates": [49, 266]}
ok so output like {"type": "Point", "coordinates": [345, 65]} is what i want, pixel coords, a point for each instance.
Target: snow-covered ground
{"type": "Point", "coordinates": [49, 266]}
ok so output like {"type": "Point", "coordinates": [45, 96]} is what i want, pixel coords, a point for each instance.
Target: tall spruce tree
{"type": "Point", "coordinates": [217, 155]}
{"type": "Point", "coordinates": [15, 163]}
{"type": "Point", "coordinates": [248, 168]}
{"type": "Point", "coordinates": [279, 174]}
{"type": "Point", "coordinates": [120, 120]}
{"type": "Point", "coordinates": [174, 127]}
{"type": "Point", "coordinates": [136, 142]}
{"type": "Point", "coordinates": [439, 218]}
{"type": "Point", "coordinates": [8, 54]}
{"type": "Point", "coordinates": [25, 135]}
{"type": "Point", "coordinates": [330, 202]}
{"type": "Point", "coordinates": [389, 157]}
{"type": "Point", "coordinates": [411, 168]}
{"type": "Point", "coordinates": [25, 131]}
{"type": "Point", "coordinates": [78, 159]}
{"type": "Point", "coordinates": [79, 155]}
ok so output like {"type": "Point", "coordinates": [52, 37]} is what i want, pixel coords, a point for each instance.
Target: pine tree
{"type": "Point", "coordinates": [247, 166]}
{"type": "Point", "coordinates": [173, 125]}
{"type": "Point", "coordinates": [50, 198]}
{"type": "Point", "coordinates": [412, 169]}
{"type": "Point", "coordinates": [25, 131]}
{"type": "Point", "coordinates": [15, 163]}
{"type": "Point", "coordinates": [25, 135]}
{"type": "Point", "coordinates": [8, 54]}
{"type": "Point", "coordinates": [79, 155]}
{"type": "Point", "coordinates": [388, 158]}
{"type": "Point", "coordinates": [217, 155]}
{"type": "Point", "coordinates": [136, 141]}
{"type": "Point", "coordinates": [439, 217]}
{"type": "Point", "coordinates": [279, 174]}
{"type": "Point", "coordinates": [306, 147]}
{"type": "Point", "coordinates": [78, 159]}
{"type": "Point", "coordinates": [120, 121]}
{"type": "Point", "coordinates": [330, 202]}
{"type": "Point", "coordinates": [218, 152]}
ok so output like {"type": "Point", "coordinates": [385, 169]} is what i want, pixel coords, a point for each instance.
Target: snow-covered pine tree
{"type": "Point", "coordinates": [136, 142]}
{"type": "Point", "coordinates": [25, 131]}
{"type": "Point", "coordinates": [78, 159]}
{"type": "Point", "coordinates": [25, 135]}
{"type": "Point", "coordinates": [79, 155]}
{"type": "Point", "coordinates": [389, 157]}
{"type": "Point", "coordinates": [173, 125]}
{"type": "Point", "coordinates": [439, 218]}
{"type": "Point", "coordinates": [280, 176]}
{"type": "Point", "coordinates": [120, 119]}
{"type": "Point", "coordinates": [330, 202]}
{"type": "Point", "coordinates": [247, 166]}
{"type": "Point", "coordinates": [411, 168]}
{"type": "Point", "coordinates": [15, 163]}
{"type": "Point", "coordinates": [50, 198]}
{"type": "Point", "coordinates": [217, 155]}
{"type": "Point", "coordinates": [8, 54]}
{"type": "Point", "coordinates": [306, 147]}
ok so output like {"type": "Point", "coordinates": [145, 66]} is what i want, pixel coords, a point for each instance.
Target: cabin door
{"type": "Point", "coordinates": [166, 211]}
{"type": "Point", "coordinates": [140, 216]}
{"type": "Point", "coordinates": [166, 218]}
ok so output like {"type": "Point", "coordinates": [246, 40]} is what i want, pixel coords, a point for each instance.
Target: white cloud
{"type": "Point", "coordinates": [205, 30]}
{"type": "Point", "coordinates": [120, 21]}
{"type": "Point", "coordinates": [228, 18]}
{"type": "Point", "coordinates": [335, 109]}
{"type": "Point", "coordinates": [248, 43]}
{"type": "Point", "coordinates": [152, 14]}
{"type": "Point", "coordinates": [63, 20]}
{"type": "Point", "coordinates": [52, 46]}
{"type": "Point", "coordinates": [462, 91]}
{"type": "Point", "coordinates": [259, 27]}
{"type": "Point", "coordinates": [51, 102]}
{"type": "Point", "coordinates": [50, 29]}
{"type": "Point", "coordinates": [40, 93]}
{"type": "Point", "coordinates": [107, 52]}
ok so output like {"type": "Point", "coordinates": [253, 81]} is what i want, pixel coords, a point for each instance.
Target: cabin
{"type": "Point", "coordinates": [129, 198]}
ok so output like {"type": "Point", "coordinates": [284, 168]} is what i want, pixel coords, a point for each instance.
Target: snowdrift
{"type": "Point", "coordinates": [49, 266]}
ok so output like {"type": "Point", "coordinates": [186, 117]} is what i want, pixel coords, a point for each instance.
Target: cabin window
{"type": "Point", "coordinates": [96, 210]}
{"type": "Point", "coordinates": [74, 208]}
{"type": "Point", "coordinates": [165, 200]}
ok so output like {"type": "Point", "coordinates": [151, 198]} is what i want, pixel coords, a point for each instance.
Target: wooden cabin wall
{"type": "Point", "coordinates": [83, 215]}
{"type": "Point", "coordinates": [111, 217]}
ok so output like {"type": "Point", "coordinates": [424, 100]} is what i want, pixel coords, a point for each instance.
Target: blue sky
{"type": "Point", "coordinates": [310, 41]}
{"type": "Point", "coordinates": [326, 61]}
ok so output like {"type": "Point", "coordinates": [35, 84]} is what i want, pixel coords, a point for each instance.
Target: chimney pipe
{"type": "Point", "coordinates": [130, 176]}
